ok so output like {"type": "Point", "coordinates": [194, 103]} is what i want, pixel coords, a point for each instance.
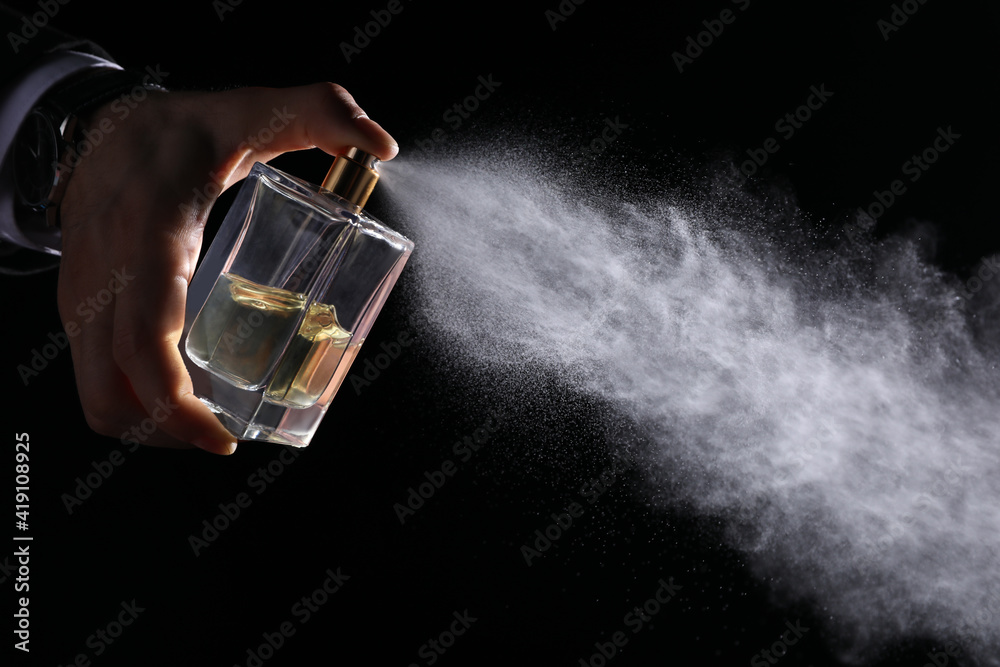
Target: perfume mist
{"type": "Point", "coordinates": [285, 297]}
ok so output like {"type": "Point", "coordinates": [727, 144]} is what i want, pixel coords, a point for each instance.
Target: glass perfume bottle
{"type": "Point", "coordinates": [285, 297]}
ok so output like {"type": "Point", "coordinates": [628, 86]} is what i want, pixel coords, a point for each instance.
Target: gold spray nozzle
{"type": "Point", "coordinates": [352, 176]}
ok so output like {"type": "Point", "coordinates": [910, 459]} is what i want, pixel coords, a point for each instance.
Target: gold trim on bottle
{"type": "Point", "coordinates": [352, 176]}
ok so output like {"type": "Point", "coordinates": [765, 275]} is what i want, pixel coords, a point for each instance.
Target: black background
{"type": "Point", "coordinates": [333, 507]}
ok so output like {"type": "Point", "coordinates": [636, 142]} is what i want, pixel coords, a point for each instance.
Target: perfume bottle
{"type": "Point", "coordinates": [285, 296]}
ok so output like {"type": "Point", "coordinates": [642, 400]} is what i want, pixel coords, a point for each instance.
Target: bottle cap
{"type": "Point", "coordinates": [352, 176]}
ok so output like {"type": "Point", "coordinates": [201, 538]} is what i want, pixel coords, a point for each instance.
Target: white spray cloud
{"type": "Point", "coordinates": [833, 405]}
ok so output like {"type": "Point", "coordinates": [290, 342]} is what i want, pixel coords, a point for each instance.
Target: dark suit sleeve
{"type": "Point", "coordinates": [25, 43]}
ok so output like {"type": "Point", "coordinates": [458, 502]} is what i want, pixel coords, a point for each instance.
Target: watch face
{"type": "Point", "coordinates": [36, 159]}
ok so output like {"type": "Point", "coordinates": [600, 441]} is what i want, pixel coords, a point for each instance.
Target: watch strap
{"type": "Point", "coordinates": [68, 103]}
{"type": "Point", "coordinates": [91, 88]}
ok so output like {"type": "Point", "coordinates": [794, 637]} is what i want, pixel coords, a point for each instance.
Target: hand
{"type": "Point", "coordinates": [132, 223]}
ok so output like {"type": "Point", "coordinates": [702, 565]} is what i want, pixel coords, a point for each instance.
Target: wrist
{"type": "Point", "coordinates": [53, 139]}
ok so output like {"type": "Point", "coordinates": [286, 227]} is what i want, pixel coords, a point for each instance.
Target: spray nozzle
{"type": "Point", "coordinates": [352, 176]}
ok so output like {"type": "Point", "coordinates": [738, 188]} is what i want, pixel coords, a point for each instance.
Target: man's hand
{"type": "Point", "coordinates": [130, 207]}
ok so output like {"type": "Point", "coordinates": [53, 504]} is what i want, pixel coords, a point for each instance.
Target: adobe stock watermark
{"type": "Point", "coordinates": [609, 134]}
{"type": "Point", "coordinates": [103, 469]}
{"type": "Point", "coordinates": [208, 193]}
{"type": "Point", "coordinates": [122, 106]}
{"type": "Point", "coordinates": [7, 569]}
{"type": "Point", "coordinates": [697, 44]}
{"type": "Point", "coordinates": [635, 620]}
{"type": "Point", "coordinates": [30, 25]}
{"type": "Point", "coordinates": [86, 485]}
{"type": "Point", "coordinates": [952, 650]}
{"type": "Point", "coordinates": [87, 310]}
{"type": "Point", "coordinates": [786, 127]}
{"type": "Point", "coordinates": [545, 538]}
{"type": "Point", "coordinates": [898, 17]}
{"type": "Point", "coordinates": [140, 432]}
{"type": "Point", "coordinates": [434, 479]}
{"type": "Point", "coordinates": [983, 619]}
{"type": "Point", "coordinates": [804, 453]}
{"type": "Point", "coordinates": [460, 111]}
{"type": "Point", "coordinates": [302, 611]}
{"type": "Point", "coordinates": [235, 337]}
{"type": "Point", "coordinates": [987, 269]}
{"type": "Point", "coordinates": [223, 7]}
{"type": "Point", "coordinates": [372, 367]}
{"type": "Point", "coordinates": [364, 34]}
{"type": "Point", "coordinates": [258, 481]}
{"type": "Point", "coordinates": [22, 617]}
{"type": "Point", "coordinates": [915, 167]}
{"type": "Point", "coordinates": [563, 11]}
{"type": "Point", "coordinates": [436, 647]}
{"type": "Point", "coordinates": [947, 484]}
{"type": "Point", "coordinates": [105, 637]}
{"type": "Point", "coordinates": [779, 649]}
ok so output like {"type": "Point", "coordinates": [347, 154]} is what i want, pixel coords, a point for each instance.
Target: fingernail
{"type": "Point", "coordinates": [377, 133]}
{"type": "Point", "coordinates": [215, 447]}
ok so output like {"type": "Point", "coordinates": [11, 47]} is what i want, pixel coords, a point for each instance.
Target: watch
{"type": "Point", "coordinates": [50, 141]}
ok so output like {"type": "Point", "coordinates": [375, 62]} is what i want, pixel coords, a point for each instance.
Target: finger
{"type": "Point", "coordinates": [148, 324]}
{"type": "Point", "coordinates": [272, 121]}
{"type": "Point", "coordinates": [145, 347]}
{"type": "Point", "coordinates": [86, 303]}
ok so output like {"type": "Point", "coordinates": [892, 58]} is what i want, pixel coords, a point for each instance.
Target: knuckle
{"type": "Point", "coordinates": [337, 97]}
{"type": "Point", "coordinates": [127, 343]}
{"type": "Point", "coordinates": [333, 89]}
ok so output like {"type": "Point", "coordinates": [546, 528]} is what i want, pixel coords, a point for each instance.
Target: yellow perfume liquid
{"type": "Point", "coordinates": [311, 361]}
{"type": "Point", "coordinates": [246, 329]}
{"type": "Point", "coordinates": [242, 329]}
